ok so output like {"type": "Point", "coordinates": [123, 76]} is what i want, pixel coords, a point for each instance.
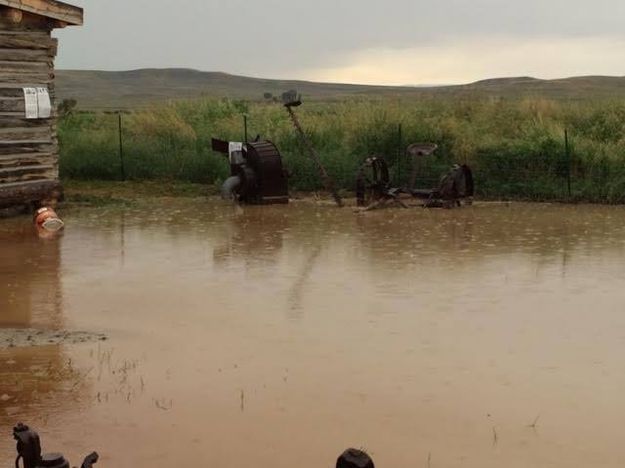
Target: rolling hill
{"type": "Point", "coordinates": [140, 88]}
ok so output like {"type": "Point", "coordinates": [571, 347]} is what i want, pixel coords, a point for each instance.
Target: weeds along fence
{"type": "Point", "coordinates": [517, 149]}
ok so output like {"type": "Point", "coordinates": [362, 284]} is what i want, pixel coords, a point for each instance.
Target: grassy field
{"type": "Point", "coordinates": [102, 90]}
{"type": "Point", "coordinates": [516, 146]}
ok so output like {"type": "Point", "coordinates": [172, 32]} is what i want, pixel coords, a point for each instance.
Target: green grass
{"type": "Point", "coordinates": [516, 147]}
{"type": "Point", "coordinates": [115, 193]}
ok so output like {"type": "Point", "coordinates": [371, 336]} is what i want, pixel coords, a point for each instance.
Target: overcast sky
{"type": "Point", "coordinates": [358, 41]}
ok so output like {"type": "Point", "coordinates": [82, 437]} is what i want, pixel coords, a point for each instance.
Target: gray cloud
{"type": "Point", "coordinates": [274, 37]}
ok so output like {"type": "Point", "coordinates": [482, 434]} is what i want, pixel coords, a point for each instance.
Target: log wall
{"type": "Point", "coordinates": [28, 147]}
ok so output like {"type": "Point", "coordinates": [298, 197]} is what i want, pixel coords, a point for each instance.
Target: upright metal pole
{"type": "Point", "coordinates": [567, 149]}
{"type": "Point", "coordinates": [245, 128]}
{"type": "Point", "coordinates": [325, 177]}
{"type": "Point", "coordinates": [121, 147]}
{"type": "Point", "coordinates": [399, 154]}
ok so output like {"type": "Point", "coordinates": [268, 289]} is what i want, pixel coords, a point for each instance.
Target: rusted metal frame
{"type": "Point", "coordinates": [379, 185]}
{"type": "Point", "coordinates": [325, 177]}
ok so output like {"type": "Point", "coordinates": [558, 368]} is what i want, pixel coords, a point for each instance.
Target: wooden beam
{"type": "Point", "coordinates": [50, 161]}
{"type": "Point", "coordinates": [26, 147]}
{"type": "Point", "coordinates": [28, 40]}
{"type": "Point", "coordinates": [25, 55]}
{"type": "Point", "coordinates": [30, 133]}
{"type": "Point", "coordinates": [11, 115]}
{"type": "Point", "coordinates": [17, 158]}
{"type": "Point", "coordinates": [14, 15]}
{"type": "Point", "coordinates": [26, 67]}
{"type": "Point", "coordinates": [8, 123]}
{"type": "Point", "coordinates": [21, 171]}
{"type": "Point", "coordinates": [54, 9]}
{"type": "Point", "coordinates": [20, 80]}
{"type": "Point", "coordinates": [23, 142]}
{"type": "Point", "coordinates": [28, 192]}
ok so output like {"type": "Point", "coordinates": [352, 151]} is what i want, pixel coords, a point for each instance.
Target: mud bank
{"type": "Point", "coordinates": [22, 338]}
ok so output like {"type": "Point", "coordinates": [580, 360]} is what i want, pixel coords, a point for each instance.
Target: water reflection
{"type": "Point", "coordinates": [30, 286]}
{"type": "Point", "coordinates": [34, 382]}
{"type": "Point", "coordinates": [302, 277]}
{"type": "Point", "coordinates": [254, 234]}
{"type": "Point", "coordinates": [479, 232]}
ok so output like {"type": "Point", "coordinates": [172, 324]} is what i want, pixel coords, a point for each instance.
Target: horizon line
{"type": "Point", "coordinates": [301, 80]}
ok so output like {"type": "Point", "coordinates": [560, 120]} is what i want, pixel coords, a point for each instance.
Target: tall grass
{"type": "Point", "coordinates": [516, 148]}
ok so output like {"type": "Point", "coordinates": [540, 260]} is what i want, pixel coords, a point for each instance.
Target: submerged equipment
{"type": "Point", "coordinates": [353, 458]}
{"type": "Point", "coordinates": [374, 188]}
{"type": "Point", "coordinates": [257, 175]}
{"type": "Point", "coordinates": [29, 452]}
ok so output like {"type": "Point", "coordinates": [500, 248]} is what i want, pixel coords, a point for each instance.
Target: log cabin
{"type": "Point", "coordinates": [29, 152]}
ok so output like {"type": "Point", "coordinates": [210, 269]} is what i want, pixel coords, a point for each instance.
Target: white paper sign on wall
{"type": "Point", "coordinates": [30, 103]}
{"type": "Point", "coordinates": [37, 104]}
{"type": "Point", "coordinates": [43, 103]}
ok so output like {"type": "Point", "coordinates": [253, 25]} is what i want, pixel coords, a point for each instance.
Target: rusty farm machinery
{"type": "Point", "coordinates": [258, 176]}
{"type": "Point", "coordinates": [29, 453]}
{"type": "Point", "coordinates": [374, 188]}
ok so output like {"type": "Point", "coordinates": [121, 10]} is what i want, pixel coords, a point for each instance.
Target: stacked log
{"type": "Point", "coordinates": [28, 147]}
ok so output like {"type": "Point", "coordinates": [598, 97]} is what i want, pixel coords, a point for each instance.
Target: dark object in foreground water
{"type": "Point", "coordinates": [29, 451]}
{"type": "Point", "coordinates": [90, 460]}
{"type": "Point", "coordinates": [353, 458]}
{"type": "Point", "coordinates": [28, 446]}
{"type": "Point", "coordinates": [54, 460]}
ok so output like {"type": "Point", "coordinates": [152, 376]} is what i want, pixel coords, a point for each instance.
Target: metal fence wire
{"type": "Point", "coordinates": [108, 147]}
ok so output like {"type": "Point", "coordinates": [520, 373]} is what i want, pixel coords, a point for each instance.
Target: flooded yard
{"type": "Point", "coordinates": [489, 336]}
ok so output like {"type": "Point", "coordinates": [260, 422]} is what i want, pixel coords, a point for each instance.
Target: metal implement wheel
{"type": "Point", "coordinates": [372, 181]}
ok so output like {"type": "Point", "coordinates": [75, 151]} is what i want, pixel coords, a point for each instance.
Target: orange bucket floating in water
{"type": "Point", "coordinates": [47, 219]}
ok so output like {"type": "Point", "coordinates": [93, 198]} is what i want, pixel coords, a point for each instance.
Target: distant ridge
{"type": "Point", "coordinates": [513, 81]}
{"type": "Point", "coordinates": [144, 87]}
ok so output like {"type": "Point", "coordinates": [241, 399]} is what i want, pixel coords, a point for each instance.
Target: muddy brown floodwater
{"type": "Point", "coordinates": [491, 336]}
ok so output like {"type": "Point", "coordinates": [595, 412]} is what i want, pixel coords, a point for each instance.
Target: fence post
{"type": "Point", "coordinates": [121, 147]}
{"type": "Point", "coordinates": [567, 149]}
{"type": "Point", "coordinates": [399, 154]}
